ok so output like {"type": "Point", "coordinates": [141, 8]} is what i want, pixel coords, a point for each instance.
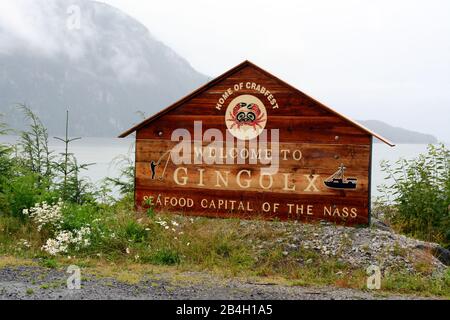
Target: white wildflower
{"type": "Point", "coordinates": [162, 223]}
{"type": "Point", "coordinates": [44, 214]}
{"type": "Point", "coordinates": [51, 246]}
{"type": "Point", "coordinates": [24, 243]}
{"type": "Point", "coordinates": [65, 239]}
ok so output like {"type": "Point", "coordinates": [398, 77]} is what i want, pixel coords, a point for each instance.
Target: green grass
{"type": "Point", "coordinates": [48, 262]}
{"type": "Point", "coordinates": [417, 284]}
{"type": "Point", "coordinates": [164, 256]}
{"type": "Point", "coordinates": [214, 245]}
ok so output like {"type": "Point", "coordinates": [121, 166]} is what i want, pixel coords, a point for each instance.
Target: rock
{"type": "Point", "coordinates": [378, 224]}
{"type": "Point", "coordinates": [356, 247]}
{"type": "Point", "coordinates": [436, 250]}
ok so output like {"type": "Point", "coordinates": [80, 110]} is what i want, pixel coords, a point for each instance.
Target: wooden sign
{"type": "Point", "coordinates": [249, 145]}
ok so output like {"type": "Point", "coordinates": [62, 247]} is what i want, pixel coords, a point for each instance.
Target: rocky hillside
{"type": "Point", "coordinates": [321, 253]}
{"type": "Point", "coordinates": [103, 72]}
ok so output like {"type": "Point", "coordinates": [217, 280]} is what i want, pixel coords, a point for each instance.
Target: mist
{"type": "Point", "coordinates": [49, 28]}
{"type": "Point", "coordinates": [368, 60]}
{"type": "Point", "coordinates": [386, 60]}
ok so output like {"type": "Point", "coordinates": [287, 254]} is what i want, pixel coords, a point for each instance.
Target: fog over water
{"type": "Point", "coordinates": [103, 151]}
{"type": "Point", "coordinates": [384, 60]}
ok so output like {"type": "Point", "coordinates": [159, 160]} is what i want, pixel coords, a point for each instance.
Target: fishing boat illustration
{"type": "Point", "coordinates": [338, 180]}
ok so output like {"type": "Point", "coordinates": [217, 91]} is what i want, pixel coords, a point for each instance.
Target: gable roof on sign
{"type": "Point", "coordinates": [228, 74]}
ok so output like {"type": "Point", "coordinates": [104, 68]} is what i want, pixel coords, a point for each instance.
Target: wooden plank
{"type": "Point", "coordinates": [324, 139]}
{"type": "Point", "coordinates": [295, 155]}
{"type": "Point", "coordinates": [246, 178]}
{"type": "Point", "coordinates": [291, 106]}
{"type": "Point", "coordinates": [294, 129]}
{"type": "Point", "coordinates": [259, 205]}
{"type": "Point", "coordinates": [316, 159]}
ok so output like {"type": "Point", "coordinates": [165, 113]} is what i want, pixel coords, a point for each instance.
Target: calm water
{"type": "Point", "coordinates": [382, 152]}
{"type": "Point", "coordinates": [102, 152]}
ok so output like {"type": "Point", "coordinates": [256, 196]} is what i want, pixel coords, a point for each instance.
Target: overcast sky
{"type": "Point", "coordinates": [387, 60]}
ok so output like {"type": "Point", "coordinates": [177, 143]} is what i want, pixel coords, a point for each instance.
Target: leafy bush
{"type": "Point", "coordinates": [77, 216]}
{"type": "Point", "coordinates": [6, 168]}
{"type": "Point", "coordinates": [30, 173]}
{"type": "Point", "coordinates": [6, 165]}
{"type": "Point", "coordinates": [45, 192]}
{"type": "Point", "coordinates": [44, 201]}
{"type": "Point", "coordinates": [20, 192]}
{"type": "Point", "coordinates": [420, 190]}
{"type": "Point", "coordinates": [135, 231]}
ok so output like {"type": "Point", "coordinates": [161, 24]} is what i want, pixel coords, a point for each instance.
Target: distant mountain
{"type": "Point", "coordinates": [103, 72]}
{"type": "Point", "coordinates": [398, 135]}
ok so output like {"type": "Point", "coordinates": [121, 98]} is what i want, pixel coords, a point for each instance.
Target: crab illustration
{"type": "Point", "coordinates": [246, 114]}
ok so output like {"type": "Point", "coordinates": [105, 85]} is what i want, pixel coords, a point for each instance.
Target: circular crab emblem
{"type": "Point", "coordinates": [246, 117]}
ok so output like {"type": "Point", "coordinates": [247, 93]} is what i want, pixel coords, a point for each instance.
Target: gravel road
{"type": "Point", "coordinates": [36, 283]}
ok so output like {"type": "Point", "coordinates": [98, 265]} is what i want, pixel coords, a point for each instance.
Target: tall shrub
{"type": "Point", "coordinates": [36, 155]}
{"type": "Point", "coordinates": [72, 187]}
{"type": "Point", "coordinates": [419, 192]}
